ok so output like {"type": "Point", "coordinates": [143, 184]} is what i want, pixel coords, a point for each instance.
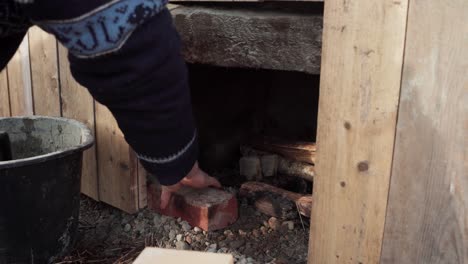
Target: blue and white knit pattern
{"type": "Point", "coordinates": [104, 29]}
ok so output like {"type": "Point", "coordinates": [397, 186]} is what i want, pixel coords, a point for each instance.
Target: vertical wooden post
{"type": "Point", "coordinates": [19, 81]}
{"type": "Point", "coordinates": [44, 71]}
{"type": "Point", "coordinates": [78, 104]}
{"type": "Point", "coordinates": [118, 173]}
{"type": "Point", "coordinates": [427, 215]}
{"type": "Point", "coordinates": [4, 95]}
{"type": "Point", "coordinates": [363, 43]}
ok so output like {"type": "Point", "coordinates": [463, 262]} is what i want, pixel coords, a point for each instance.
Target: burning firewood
{"type": "Point", "coordinates": [275, 201]}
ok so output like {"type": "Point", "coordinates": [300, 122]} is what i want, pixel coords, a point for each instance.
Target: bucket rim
{"type": "Point", "coordinates": [86, 135]}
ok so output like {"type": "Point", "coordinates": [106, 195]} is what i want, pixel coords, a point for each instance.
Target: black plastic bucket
{"type": "Point", "coordinates": [40, 187]}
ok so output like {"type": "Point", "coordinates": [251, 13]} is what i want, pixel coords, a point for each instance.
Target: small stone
{"type": "Point", "coordinates": [181, 245]}
{"type": "Point", "coordinates": [237, 244]}
{"type": "Point", "coordinates": [274, 223]}
{"type": "Point", "coordinates": [265, 223]}
{"type": "Point", "coordinates": [199, 237]}
{"type": "Point", "coordinates": [223, 250]}
{"type": "Point", "coordinates": [197, 229]}
{"type": "Point", "coordinates": [157, 220]}
{"type": "Point", "coordinates": [256, 233]}
{"type": "Point", "coordinates": [207, 243]}
{"type": "Point", "coordinates": [212, 250]}
{"type": "Point", "coordinates": [185, 226]}
{"type": "Point", "coordinates": [179, 237]}
{"type": "Point", "coordinates": [215, 246]}
{"type": "Point", "coordinates": [172, 235]}
{"type": "Point", "coordinates": [205, 233]}
{"type": "Point", "coordinates": [227, 232]}
{"type": "Point", "coordinates": [164, 219]}
{"type": "Point", "coordinates": [242, 232]}
{"type": "Point", "coordinates": [188, 239]}
{"type": "Point", "coordinates": [264, 230]}
{"type": "Point", "coordinates": [127, 227]}
{"type": "Point", "coordinates": [289, 224]}
{"type": "Point", "coordinates": [179, 220]}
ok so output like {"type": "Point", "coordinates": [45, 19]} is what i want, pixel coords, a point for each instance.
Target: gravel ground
{"type": "Point", "coordinates": [107, 235]}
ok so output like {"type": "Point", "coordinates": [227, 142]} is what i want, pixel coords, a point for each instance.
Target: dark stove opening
{"type": "Point", "coordinates": [232, 105]}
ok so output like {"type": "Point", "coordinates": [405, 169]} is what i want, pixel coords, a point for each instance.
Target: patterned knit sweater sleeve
{"type": "Point", "coordinates": [127, 54]}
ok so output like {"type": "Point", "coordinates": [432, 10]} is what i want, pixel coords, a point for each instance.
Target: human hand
{"type": "Point", "coordinates": [196, 178]}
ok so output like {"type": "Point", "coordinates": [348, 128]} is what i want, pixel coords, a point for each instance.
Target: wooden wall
{"type": "Point", "coordinates": [38, 81]}
{"type": "Point", "coordinates": [392, 161]}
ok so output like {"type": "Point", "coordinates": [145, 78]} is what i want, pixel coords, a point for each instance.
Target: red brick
{"type": "Point", "coordinates": [209, 209]}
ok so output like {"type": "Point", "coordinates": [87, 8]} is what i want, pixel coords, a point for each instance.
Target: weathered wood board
{"type": "Point", "coordinates": [427, 215]}
{"type": "Point", "coordinates": [19, 81]}
{"type": "Point", "coordinates": [44, 73]}
{"type": "Point", "coordinates": [118, 167]}
{"type": "Point", "coordinates": [77, 103]}
{"type": "Point", "coordinates": [4, 94]}
{"type": "Point", "coordinates": [362, 55]}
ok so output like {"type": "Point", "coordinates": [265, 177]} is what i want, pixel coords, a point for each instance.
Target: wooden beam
{"type": "Point", "coordinates": [4, 95]}
{"type": "Point", "coordinates": [427, 215]}
{"type": "Point", "coordinates": [19, 81]}
{"type": "Point", "coordinates": [44, 72]}
{"type": "Point", "coordinates": [363, 43]}
{"type": "Point", "coordinates": [78, 104]}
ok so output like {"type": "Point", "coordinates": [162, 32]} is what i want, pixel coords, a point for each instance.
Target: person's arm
{"type": "Point", "coordinates": [127, 53]}
{"type": "Point", "coordinates": [8, 47]}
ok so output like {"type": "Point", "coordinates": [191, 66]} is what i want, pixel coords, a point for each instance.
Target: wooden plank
{"type": "Point", "coordinates": [44, 71]}
{"type": "Point", "coordinates": [159, 255]}
{"type": "Point", "coordinates": [19, 81]}
{"type": "Point", "coordinates": [77, 103]}
{"type": "Point", "coordinates": [4, 95]}
{"type": "Point", "coordinates": [118, 173]}
{"type": "Point", "coordinates": [142, 187]}
{"type": "Point", "coordinates": [427, 215]}
{"type": "Point", "coordinates": [363, 45]}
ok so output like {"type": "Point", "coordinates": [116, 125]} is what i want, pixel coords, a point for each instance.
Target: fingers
{"type": "Point", "coordinates": [213, 182]}
{"type": "Point", "coordinates": [166, 195]}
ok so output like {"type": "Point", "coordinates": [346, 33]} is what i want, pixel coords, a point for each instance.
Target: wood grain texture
{"type": "Point", "coordinates": [363, 45]}
{"type": "Point", "coordinates": [427, 215]}
{"type": "Point", "coordinates": [4, 94]}
{"type": "Point", "coordinates": [44, 71]}
{"type": "Point", "coordinates": [118, 173]}
{"type": "Point", "coordinates": [78, 104]}
{"type": "Point", "coordinates": [19, 81]}
{"type": "Point", "coordinates": [142, 187]}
